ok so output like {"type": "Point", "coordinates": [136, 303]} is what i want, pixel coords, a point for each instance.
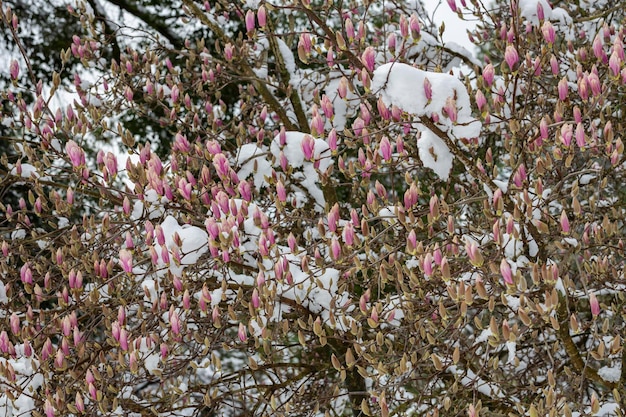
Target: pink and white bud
{"type": "Point", "coordinates": [26, 274]}
{"type": "Point", "coordinates": [567, 133]}
{"type": "Point", "coordinates": [348, 234]}
{"type": "Point", "coordinates": [16, 327]}
{"type": "Point", "coordinates": [281, 192]}
{"type": "Point", "coordinates": [450, 109]}
{"type": "Point", "coordinates": [481, 100]}
{"type": "Point", "coordinates": [580, 136]}
{"type": "Point", "coordinates": [126, 260]}
{"type": "Point", "coordinates": [305, 42]}
{"type": "Point", "coordinates": [48, 408]}
{"type": "Point", "coordinates": [548, 32]}
{"type": "Point", "coordinates": [414, 26]}
{"type": "Point", "coordinates": [488, 74]}
{"type": "Point", "coordinates": [428, 89]}
{"type": "Point", "coordinates": [229, 51]}
{"type": "Point", "coordinates": [543, 128]}
{"type": "Point", "coordinates": [385, 148]}
{"type": "Point", "coordinates": [540, 11]}
{"type": "Point", "coordinates": [75, 153]}
{"type": "Point", "coordinates": [242, 333]}
{"type": "Point", "coordinates": [554, 65]}
{"type": "Point", "coordinates": [452, 4]}
{"type": "Point", "coordinates": [368, 58]}
{"type": "Point", "coordinates": [507, 273]}
{"type": "Point", "coordinates": [427, 264]}
{"type": "Point", "coordinates": [93, 392]}
{"type": "Point", "coordinates": [261, 16]}
{"type": "Point", "coordinates": [474, 254]}
{"type": "Point", "coordinates": [14, 69]}
{"type": "Point", "coordinates": [255, 299]}
{"type": "Point", "coordinates": [594, 305]}
{"type": "Point", "coordinates": [595, 84]}
{"type": "Point", "coordinates": [335, 248]}
{"type": "Point", "coordinates": [174, 321]}
{"type": "Point", "coordinates": [79, 403]}
{"type": "Point", "coordinates": [250, 21]}
{"type": "Point", "coordinates": [564, 221]}
{"type": "Point", "coordinates": [349, 27]}
{"type": "Point", "coordinates": [510, 56]}
{"type": "Point", "coordinates": [308, 146]}
{"type": "Point", "coordinates": [562, 87]}
{"type": "Point", "coordinates": [598, 49]}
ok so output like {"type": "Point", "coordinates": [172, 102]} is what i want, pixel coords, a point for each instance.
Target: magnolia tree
{"type": "Point", "coordinates": [355, 218]}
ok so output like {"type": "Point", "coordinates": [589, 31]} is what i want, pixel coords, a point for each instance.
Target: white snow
{"type": "Point", "coordinates": [3, 293]}
{"type": "Point", "coordinates": [403, 86]}
{"type": "Point", "coordinates": [435, 154]}
{"type": "Point", "coordinates": [610, 374]}
{"type": "Point", "coordinates": [27, 378]}
{"type": "Point", "coordinates": [194, 243]}
{"type": "Point", "coordinates": [252, 160]}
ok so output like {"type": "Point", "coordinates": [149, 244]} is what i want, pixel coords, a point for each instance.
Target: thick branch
{"type": "Point", "coordinates": [575, 358]}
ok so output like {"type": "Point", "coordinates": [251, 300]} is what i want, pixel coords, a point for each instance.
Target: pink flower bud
{"type": "Point", "coordinates": [15, 324]}
{"type": "Point", "coordinates": [474, 254]}
{"type": "Point", "coordinates": [335, 248]}
{"type": "Point", "coordinates": [48, 408]}
{"type": "Point", "coordinates": [79, 403]}
{"type": "Point", "coordinates": [333, 217]}
{"type": "Point", "coordinates": [565, 227]}
{"type": "Point", "coordinates": [242, 333]}
{"type": "Point", "coordinates": [452, 4]}
{"type": "Point", "coordinates": [505, 270]}
{"type": "Point", "coordinates": [228, 51]}
{"type": "Point", "coordinates": [305, 42]}
{"type": "Point", "coordinates": [385, 148]}
{"type": "Point", "coordinates": [427, 264]}
{"type": "Point", "coordinates": [221, 165]}
{"type": "Point", "coordinates": [595, 84]}
{"type": "Point", "coordinates": [342, 89]}
{"type": "Point", "coordinates": [450, 109]}
{"type": "Point", "coordinates": [349, 26]}
{"type": "Point", "coordinates": [26, 274]}
{"type": "Point", "coordinates": [126, 260]}
{"type": "Point", "coordinates": [281, 192]}
{"type": "Point", "coordinates": [262, 16]}
{"type": "Point", "coordinates": [598, 49]}
{"type": "Point", "coordinates": [594, 304]}
{"type": "Point", "coordinates": [566, 134]}
{"type": "Point", "coordinates": [562, 87]}
{"type": "Point", "coordinates": [414, 26]}
{"type": "Point", "coordinates": [548, 32]}
{"type": "Point", "coordinates": [428, 89]}
{"type": "Point", "coordinates": [93, 392]}
{"type": "Point", "coordinates": [250, 24]}
{"type": "Point", "coordinates": [348, 234]}
{"type": "Point", "coordinates": [481, 100]}
{"type": "Point", "coordinates": [540, 11]}
{"type": "Point", "coordinates": [308, 146]}
{"type": "Point", "coordinates": [14, 69]}
{"type": "Point", "coordinates": [75, 153]}
{"type": "Point", "coordinates": [510, 56]}
{"type": "Point", "coordinates": [256, 301]}
{"type": "Point", "coordinates": [368, 58]}
{"type": "Point", "coordinates": [580, 135]}
{"type": "Point", "coordinates": [174, 321]}
{"type": "Point", "coordinates": [488, 74]}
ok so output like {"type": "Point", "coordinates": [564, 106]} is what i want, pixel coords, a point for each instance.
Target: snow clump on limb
{"type": "Point", "coordinates": [441, 97]}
